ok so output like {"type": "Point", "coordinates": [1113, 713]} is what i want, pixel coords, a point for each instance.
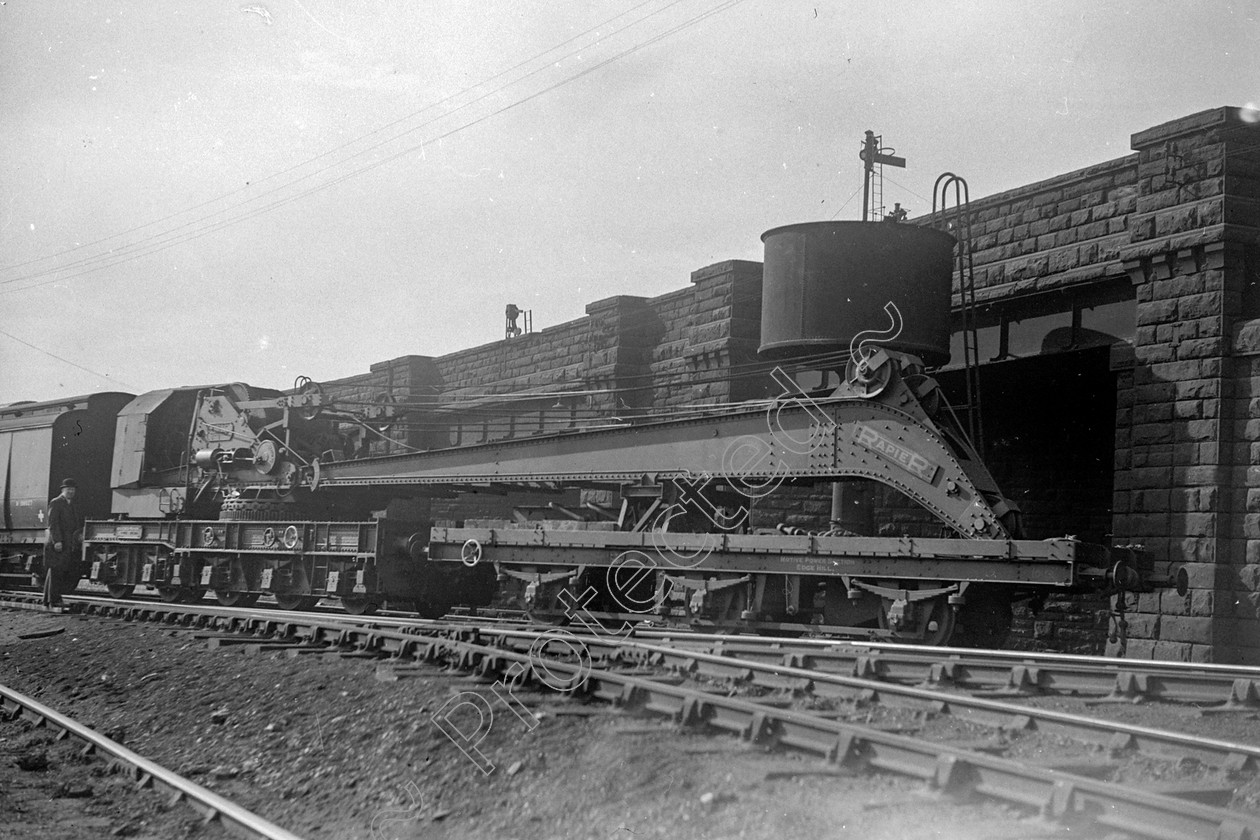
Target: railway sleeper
{"type": "Point", "coordinates": [1244, 696]}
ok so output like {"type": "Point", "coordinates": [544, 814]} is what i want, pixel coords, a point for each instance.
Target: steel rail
{"type": "Point", "coordinates": [1004, 715]}
{"type": "Point", "coordinates": [147, 773]}
{"type": "Point", "coordinates": [1230, 687]}
{"type": "Point", "coordinates": [1071, 657]}
{"type": "Point", "coordinates": [1161, 665]}
{"type": "Point", "coordinates": [1055, 793]}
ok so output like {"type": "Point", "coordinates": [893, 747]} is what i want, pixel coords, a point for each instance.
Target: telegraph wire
{"type": "Point", "coordinates": [172, 239]}
{"type": "Point", "coordinates": [907, 189]}
{"type": "Point", "coordinates": [727, 4]}
{"type": "Point", "coordinates": [191, 236]}
{"type": "Point", "coordinates": [128, 257]}
{"type": "Point", "coordinates": [353, 141]}
{"type": "Point", "coordinates": [846, 202]}
{"type": "Point", "coordinates": [163, 240]}
{"type": "Point", "coordinates": [68, 362]}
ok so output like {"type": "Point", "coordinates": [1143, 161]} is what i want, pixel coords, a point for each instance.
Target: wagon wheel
{"type": "Point", "coordinates": [121, 590]}
{"type": "Point", "coordinates": [934, 624]}
{"type": "Point", "coordinates": [731, 604]}
{"type": "Point", "coordinates": [295, 601]}
{"type": "Point", "coordinates": [985, 620]}
{"type": "Point", "coordinates": [433, 609]}
{"type": "Point", "coordinates": [181, 594]}
{"type": "Point", "coordinates": [359, 605]}
{"type": "Point", "coordinates": [547, 607]}
{"type": "Point", "coordinates": [230, 598]}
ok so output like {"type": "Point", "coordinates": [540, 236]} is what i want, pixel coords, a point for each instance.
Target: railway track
{"type": "Point", "coordinates": [1231, 688]}
{"type": "Point", "coordinates": [1217, 688]}
{"type": "Point", "coordinates": [145, 773]}
{"type": "Point", "coordinates": [671, 677]}
{"type": "Point", "coordinates": [999, 714]}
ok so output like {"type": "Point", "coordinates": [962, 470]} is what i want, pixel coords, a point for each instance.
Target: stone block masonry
{"type": "Point", "coordinates": [1125, 296]}
{"type": "Point", "coordinates": [1184, 451]}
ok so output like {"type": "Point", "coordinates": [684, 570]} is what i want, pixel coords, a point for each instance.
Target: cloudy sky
{"type": "Point", "coordinates": [197, 192]}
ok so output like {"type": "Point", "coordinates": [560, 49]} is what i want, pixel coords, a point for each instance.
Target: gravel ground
{"type": "Point", "coordinates": [320, 746]}
{"type": "Point", "coordinates": [49, 791]}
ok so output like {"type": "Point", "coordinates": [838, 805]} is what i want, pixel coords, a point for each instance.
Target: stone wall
{"type": "Point", "coordinates": [1186, 440]}
{"type": "Point", "coordinates": [629, 356]}
{"type": "Point", "coordinates": [412, 380]}
{"type": "Point", "coordinates": [1056, 233]}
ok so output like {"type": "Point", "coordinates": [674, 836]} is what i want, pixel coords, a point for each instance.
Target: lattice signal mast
{"type": "Point", "coordinates": [874, 152]}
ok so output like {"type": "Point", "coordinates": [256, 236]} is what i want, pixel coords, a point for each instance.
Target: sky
{"type": "Point", "coordinates": [204, 192]}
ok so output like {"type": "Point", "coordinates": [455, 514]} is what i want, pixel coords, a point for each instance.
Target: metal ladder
{"type": "Point", "coordinates": [958, 217]}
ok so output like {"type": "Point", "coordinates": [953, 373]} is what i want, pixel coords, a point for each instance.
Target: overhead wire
{"type": "Point", "coordinates": [727, 4]}
{"type": "Point", "coordinates": [171, 239]}
{"type": "Point", "coordinates": [126, 258]}
{"type": "Point", "coordinates": [846, 202]}
{"type": "Point", "coordinates": [67, 361]}
{"type": "Point", "coordinates": [112, 259]}
{"type": "Point", "coordinates": [907, 189]}
{"type": "Point", "coordinates": [401, 120]}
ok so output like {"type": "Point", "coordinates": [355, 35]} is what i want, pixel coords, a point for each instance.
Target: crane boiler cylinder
{"type": "Point", "coordinates": [826, 282]}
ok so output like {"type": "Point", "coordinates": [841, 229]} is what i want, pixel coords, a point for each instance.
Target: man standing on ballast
{"type": "Point", "coordinates": [65, 542]}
